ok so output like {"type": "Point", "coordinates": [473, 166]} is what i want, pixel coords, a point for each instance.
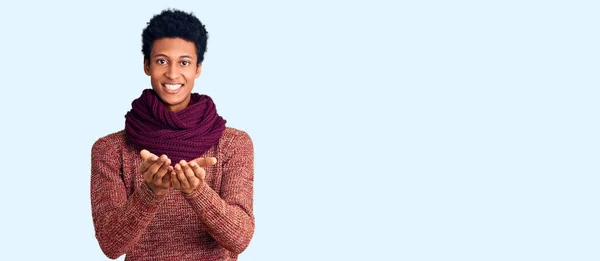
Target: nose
{"type": "Point", "coordinates": [172, 71]}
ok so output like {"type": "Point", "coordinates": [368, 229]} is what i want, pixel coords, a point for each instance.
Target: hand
{"type": "Point", "coordinates": [186, 177]}
{"type": "Point", "coordinates": [155, 169]}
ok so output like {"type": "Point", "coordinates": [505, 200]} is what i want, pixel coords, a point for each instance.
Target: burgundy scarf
{"type": "Point", "coordinates": [182, 135]}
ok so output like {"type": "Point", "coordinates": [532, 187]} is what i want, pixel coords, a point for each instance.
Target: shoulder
{"type": "Point", "coordinates": [233, 139]}
{"type": "Point", "coordinates": [234, 133]}
{"type": "Point", "coordinates": [110, 142]}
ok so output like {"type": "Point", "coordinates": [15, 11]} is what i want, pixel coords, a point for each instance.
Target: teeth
{"type": "Point", "coordinates": [172, 86]}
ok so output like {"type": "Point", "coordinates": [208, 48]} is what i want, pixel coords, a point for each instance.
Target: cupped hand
{"type": "Point", "coordinates": [155, 172]}
{"type": "Point", "coordinates": [186, 177]}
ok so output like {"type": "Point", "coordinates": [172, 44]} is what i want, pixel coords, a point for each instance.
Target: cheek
{"type": "Point", "coordinates": [190, 76]}
{"type": "Point", "coordinates": [155, 76]}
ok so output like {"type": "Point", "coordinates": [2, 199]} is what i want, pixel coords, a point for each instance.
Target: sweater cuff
{"type": "Point", "coordinates": [148, 202]}
{"type": "Point", "coordinates": [204, 197]}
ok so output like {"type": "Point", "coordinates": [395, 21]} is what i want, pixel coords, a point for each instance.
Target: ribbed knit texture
{"type": "Point", "coordinates": [215, 222]}
{"type": "Point", "coordinates": [179, 135]}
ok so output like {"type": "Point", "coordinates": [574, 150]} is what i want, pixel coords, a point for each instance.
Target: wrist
{"type": "Point", "coordinates": [201, 189]}
{"type": "Point", "coordinates": [187, 192]}
{"type": "Point", "coordinates": [191, 190]}
{"type": "Point", "coordinates": [158, 191]}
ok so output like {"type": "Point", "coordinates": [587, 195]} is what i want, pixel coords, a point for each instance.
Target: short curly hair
{"type": "Point", "coordinates": [172, 23]}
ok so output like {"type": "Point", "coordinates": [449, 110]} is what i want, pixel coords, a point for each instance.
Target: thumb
{"type": "Point", "coordinates": [145, 154]}
{"type": "Point", "coordinates": [206, 162]}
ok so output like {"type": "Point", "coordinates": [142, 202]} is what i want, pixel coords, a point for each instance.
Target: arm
{"type": "Point", "coordinates": [229, 217]}
{"type": "Point", "coordinates": [118, 221]}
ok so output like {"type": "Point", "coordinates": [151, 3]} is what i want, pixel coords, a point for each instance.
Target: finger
{"type": "Point", "coordinates": [153, 169]}
{"type": "Point", "coordinates": [160, 173]}
{"type": "Point", "coordinates": [145, 154]}
{"type": "Point", "coordinates": [174, 180]}
{"type": "Point", "coordinates": [198, 171]}
{"type": "Point", "coordinates": [190, 175]}
{"type": "Point", "coordinates": [187, 169]}
{"type": "Point", "coordinates": [145, 167]}
{"type": "Point", "coordinates": [148, 161]}
{"type": "Point", "coordinates": [166, 179]}
{"type": "Point", "coordinates": [206, 162]}
{"type": "Point", "coordinates": [181, 176]}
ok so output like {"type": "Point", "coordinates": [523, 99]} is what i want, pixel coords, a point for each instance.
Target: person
{"type": "Point", "coordinates": [175, 183]}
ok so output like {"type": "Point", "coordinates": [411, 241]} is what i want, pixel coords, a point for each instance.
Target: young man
{"type": "Point", "coordinates": [194, 201]}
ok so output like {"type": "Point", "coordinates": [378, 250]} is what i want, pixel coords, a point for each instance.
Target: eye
{"type": "Point", "coordinates": [185, 63]}
{"type": "Point", "coordinates": [161, 61]}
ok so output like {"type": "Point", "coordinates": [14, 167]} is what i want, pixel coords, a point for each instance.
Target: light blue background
{"type": "Point", "coordinates": [383, 130]}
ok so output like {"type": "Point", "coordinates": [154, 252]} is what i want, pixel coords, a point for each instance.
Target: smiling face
{"type": "Point", "coordinates": [172, 67]}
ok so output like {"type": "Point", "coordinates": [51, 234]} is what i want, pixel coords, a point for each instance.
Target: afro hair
{"type": "Point", "coordinates": [172, 23]}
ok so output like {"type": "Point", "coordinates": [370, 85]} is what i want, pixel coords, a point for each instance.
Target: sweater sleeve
{"type": "Point", "coordinates": [229, 217]}
{"type": "Point", "coordinates": [118, 221]}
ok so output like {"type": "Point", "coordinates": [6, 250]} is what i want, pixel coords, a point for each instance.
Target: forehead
{"type": "Point", "coordinates": [173, 47]}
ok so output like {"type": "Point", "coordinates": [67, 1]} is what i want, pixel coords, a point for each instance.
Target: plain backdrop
{"type": "Point", "coordinates": [383, 130]}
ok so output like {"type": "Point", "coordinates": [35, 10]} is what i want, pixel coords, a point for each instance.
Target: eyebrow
{"type": "Point", "coordinates": [164, 55]}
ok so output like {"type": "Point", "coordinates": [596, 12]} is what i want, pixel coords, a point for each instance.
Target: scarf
{"type": "Point", "coordinates": [183, 135]}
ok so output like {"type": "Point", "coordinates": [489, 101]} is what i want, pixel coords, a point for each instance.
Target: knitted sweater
{"type": "Point", "coordinates": [214, 222]}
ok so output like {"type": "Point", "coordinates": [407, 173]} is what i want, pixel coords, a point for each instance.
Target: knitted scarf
{"type": "Point", "coordinates": [186, 134]}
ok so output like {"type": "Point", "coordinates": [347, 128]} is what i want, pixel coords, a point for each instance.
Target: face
{"type": "Point", "coordinates": [172, 69]}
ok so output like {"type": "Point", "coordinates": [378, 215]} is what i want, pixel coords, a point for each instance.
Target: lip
{"type": "Point", "coordinates": [172, 91]}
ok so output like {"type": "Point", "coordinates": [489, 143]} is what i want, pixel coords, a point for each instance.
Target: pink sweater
{"type": "Point", "coordinates": [215, 222]}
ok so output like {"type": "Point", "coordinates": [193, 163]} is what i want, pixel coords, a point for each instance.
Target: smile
{"type": "Point", "coordinates": [172, 88]}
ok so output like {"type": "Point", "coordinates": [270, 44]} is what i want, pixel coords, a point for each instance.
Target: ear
{"type": "Point", "coordinates": [146, 67]}
{"type": "Point", "coordinates": [198, 69]}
